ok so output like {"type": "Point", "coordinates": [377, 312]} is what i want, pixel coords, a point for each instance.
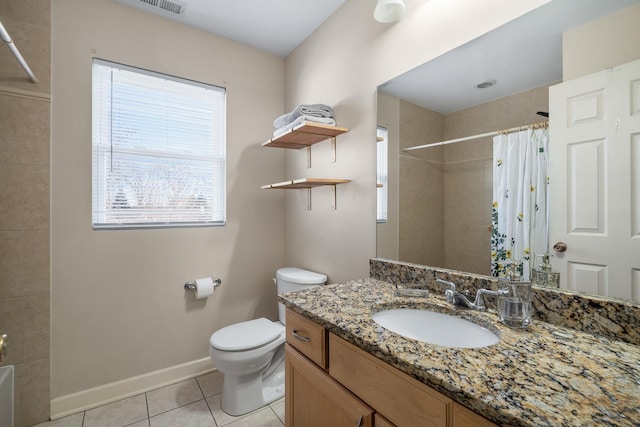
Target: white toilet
{"type": "Point", "coordinates": [251, 354]}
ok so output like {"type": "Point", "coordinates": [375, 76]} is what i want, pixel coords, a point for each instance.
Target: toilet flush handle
{"type": "Point", "coordinates": [300, 337]}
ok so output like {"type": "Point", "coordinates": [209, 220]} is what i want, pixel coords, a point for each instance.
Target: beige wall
{"type": "Point", "coordinates": [341, 64]}
{"type": "Point", "coordinates": [604, 43]}
{"type": "Point", "coordinates": [119, 309]}
{"type": "Point", "coordinates": [24, 206]}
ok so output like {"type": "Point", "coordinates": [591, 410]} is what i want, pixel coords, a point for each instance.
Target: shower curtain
{"type": "Point", "coordinates": [519, 214]}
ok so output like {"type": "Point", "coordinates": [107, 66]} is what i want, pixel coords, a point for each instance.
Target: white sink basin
{"type": "Point", "coordinates": [435, 328]}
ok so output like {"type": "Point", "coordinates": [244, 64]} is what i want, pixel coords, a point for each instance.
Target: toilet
{"type": "Point", "coordinates": [251, 354]}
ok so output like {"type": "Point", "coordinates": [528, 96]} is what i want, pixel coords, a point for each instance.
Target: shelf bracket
{"type": "Point", "coordinates": [309, 198]}
{"type": "Point", "coordinates": [308, 157]}
{"type": "Point", "coordinates": [333, 149]}
{"type": "Point", "coordinates": [333, 197]}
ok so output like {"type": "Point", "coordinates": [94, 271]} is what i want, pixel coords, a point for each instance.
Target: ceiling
{"type": "Point", "coordinates": [522, 54]}
{"type": "Point", "coordinates": [276, 26]}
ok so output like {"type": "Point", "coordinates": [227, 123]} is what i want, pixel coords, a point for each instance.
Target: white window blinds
{"type": "Point", "coordinates": [382, 174]}
{"type": "Point", "coordinates": [158, 150]}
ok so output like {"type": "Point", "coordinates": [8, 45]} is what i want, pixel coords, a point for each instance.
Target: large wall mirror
{"type": "Point", "coordinates": [439, 199]}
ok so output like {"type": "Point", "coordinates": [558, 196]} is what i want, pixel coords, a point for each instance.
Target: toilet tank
{"type": "Point", "coordinates": [291, 279]}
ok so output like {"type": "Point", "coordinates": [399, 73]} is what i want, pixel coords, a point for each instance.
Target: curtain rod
{"type": "Point", "coordinates": [481, 135]}
{"type": "Point", "coordinates": [7, 39]}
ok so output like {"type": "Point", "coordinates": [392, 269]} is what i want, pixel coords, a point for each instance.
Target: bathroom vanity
{"type": "Point", "coordinates": [344, 369]}
{"type": "Point", "coordinates": [334, 392]}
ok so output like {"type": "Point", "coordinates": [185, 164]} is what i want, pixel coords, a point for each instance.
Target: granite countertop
{"type": "Point", "coordinates": [546, 375]}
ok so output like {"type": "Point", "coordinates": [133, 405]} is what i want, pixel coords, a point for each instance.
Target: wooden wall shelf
{"type": "Point", "coordinates": [308, 183]}
{"type": "Point", "coordinates": [305, 135]}
{"type": "Point", "coordinates": [301, 136]}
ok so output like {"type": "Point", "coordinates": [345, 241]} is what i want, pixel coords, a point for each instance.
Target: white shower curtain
{"type": "Point", "coordinates": [519, 214]}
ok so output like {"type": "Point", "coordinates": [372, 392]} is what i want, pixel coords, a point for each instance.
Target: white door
{"type": "Point", "coordinates": [594, 182]}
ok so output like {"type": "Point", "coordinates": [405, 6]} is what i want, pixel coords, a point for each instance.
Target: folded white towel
{"type": "Point", "coordinates": [301, 119]}
{"type": "Point", "coordinates": [315, 110]}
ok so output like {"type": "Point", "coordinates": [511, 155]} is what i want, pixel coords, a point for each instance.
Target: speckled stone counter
{"type": "Point", "coordinates": [547, 375]}
{"type": "Point", "coordinates": [614, 318]}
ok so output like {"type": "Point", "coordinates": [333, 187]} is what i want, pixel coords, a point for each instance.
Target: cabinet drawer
{"type": "Point", "coordinates": [307, 337]}
{"type": "Point", "coordinates": [402, 400]}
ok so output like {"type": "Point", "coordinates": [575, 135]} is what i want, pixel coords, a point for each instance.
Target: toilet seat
{"type": "Point", "coordinates": [247, 335]}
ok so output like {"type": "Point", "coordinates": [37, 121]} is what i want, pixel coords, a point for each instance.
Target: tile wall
{"type": "Point", "coordinates": [24, 206]}
{"type": "Point", "coordinates": [421, 186]}
{"type": "Point", "coordinates": [446, 192]}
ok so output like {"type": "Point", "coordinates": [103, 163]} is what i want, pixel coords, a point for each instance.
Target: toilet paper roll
{"type": "Point", "coordinates": [204, 287]}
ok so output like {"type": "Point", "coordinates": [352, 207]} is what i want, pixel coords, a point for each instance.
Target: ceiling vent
{"type": "Point", "coordinates": [163, 7]}
{"type": "Point", "coordinates": [171, 6]}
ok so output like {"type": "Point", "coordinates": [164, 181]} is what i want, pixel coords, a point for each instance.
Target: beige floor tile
{"type": "Point", "coordinates": [193, 415]}
{"type": "Point", "coordinates": [221, 417]}
{"type": "Point", "coordinates": [278, 408]}
{"type": "Point", "coordinates": [74, 420]}
{"type": "Point", "coordinates": [121, 413]}
{"type": "Point", "coordinates": [173, 396]}
{"type": "Point", "coordinates": [143, 423]}
{"type": "Point", "coordinates": [264, 417]}
{"type": "Point", "coordinates": [211, 384]}
{"type": "Point", "coordinates": [215, 405]}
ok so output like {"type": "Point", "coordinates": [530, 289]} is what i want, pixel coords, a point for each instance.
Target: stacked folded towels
{"type": "Point", "coordinates": [318, 113]}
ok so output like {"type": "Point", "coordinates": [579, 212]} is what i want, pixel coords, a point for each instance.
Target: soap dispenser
{"type": "Point", "coordinates": [543, 275]}
{"type": "Point", "coordinates": [514, 302]}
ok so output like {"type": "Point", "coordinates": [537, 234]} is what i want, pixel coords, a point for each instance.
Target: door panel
{"type": "Point", "coordinates": [586, 190]}
{"type": "Point", "coordinates": [594, 181]}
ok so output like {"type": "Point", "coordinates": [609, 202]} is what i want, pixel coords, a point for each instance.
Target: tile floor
{"type": "Point", "coordinates": [192, 403]}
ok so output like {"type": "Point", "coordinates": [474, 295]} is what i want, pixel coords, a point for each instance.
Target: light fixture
{"type": "Point", "coordinates": [486, 84]}
{"type": "Point", "coordinates": [389, 10]}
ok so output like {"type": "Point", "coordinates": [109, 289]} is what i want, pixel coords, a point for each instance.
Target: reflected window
{"type": "Point", "coordinates": [382, 174]}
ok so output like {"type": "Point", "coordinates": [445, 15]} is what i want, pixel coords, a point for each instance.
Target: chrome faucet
{"type": "Point", "coordinates": [452, 296]}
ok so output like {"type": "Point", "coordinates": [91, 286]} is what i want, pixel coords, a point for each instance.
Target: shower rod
{"type": "Point", "coordinates": [7, 39]}
{"type": "Point", "coordinates": [481, 135]}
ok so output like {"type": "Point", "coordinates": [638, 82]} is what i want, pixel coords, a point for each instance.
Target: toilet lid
{"type": "Point", "coordinates": [246, 335]}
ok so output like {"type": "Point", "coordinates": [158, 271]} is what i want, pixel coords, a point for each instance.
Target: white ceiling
{"type": "Point", "coordinates": [276, 26]}
{"type": "Point", "coordinates": [521, 55]}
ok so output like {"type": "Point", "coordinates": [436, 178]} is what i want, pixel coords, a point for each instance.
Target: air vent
{"type": "Point", "coordinates": [170, 6]}
{"type": "Point", "coordinates": [162, 7]}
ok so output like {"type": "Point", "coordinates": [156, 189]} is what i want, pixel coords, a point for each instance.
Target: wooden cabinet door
{"type": "Point", "coordinates": [380, 421]}
{"type": "Point", "coordinates": [463, 417]}
{"type": "Point", "coordinates": [314, 399]}
{"type": "Point", "coordinates": [404, 401]}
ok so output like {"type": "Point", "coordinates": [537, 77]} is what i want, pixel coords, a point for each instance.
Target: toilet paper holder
{"type": "Point", "coordinates": [191, 285]}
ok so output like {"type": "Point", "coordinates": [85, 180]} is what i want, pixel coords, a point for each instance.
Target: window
{"type": "Point", "coordinates": [382, 174]}
{"type": "Point", "coordinates": [158, 150]}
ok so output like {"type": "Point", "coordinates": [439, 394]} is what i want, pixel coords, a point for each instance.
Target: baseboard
{"type": "Point", "coordinates": [97, 396]}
